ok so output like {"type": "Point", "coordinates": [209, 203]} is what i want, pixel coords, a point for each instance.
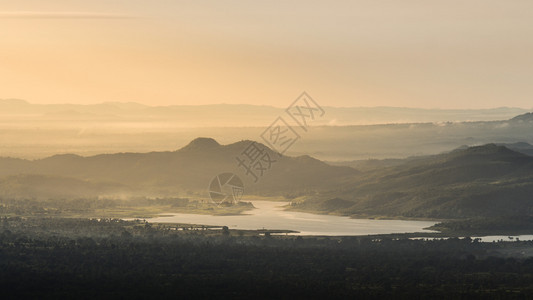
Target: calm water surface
{"type": "Point", "coordinates": [270, 215]}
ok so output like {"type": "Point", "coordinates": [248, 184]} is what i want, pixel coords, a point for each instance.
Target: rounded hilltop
{"type": "Point", "coordinates": [202, 143]}
{"type": "Point", "coordinates": [527, 117]}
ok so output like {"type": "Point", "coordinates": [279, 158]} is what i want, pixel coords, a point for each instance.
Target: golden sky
{"type": "Point", "coordinates": [437, 54]}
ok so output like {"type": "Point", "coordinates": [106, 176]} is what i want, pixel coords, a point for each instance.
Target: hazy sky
{"type": "Point", "coordinates": [442, 53]}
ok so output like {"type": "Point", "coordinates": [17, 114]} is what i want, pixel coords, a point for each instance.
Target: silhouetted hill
{"type": "Point", "coordinates": [527, 117]}
{"type": "Point", "coordinates": [201, 144]}
{"type": "Point", "coordinates": [487, 180]}
{"type": "Point", "coordinates": [522, 147]}
{"type": "Point", "coordinates": [188, 169]}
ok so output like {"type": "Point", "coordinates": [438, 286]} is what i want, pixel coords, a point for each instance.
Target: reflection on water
{"type": "Point", "coordinates": [270, 215]}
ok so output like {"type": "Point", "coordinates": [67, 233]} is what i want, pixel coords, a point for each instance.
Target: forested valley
{"type": "Point", "coordinates": [50, 258]}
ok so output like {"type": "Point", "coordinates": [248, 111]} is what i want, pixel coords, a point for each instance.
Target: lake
{"type": "Point", "coordinates": [271, 215]}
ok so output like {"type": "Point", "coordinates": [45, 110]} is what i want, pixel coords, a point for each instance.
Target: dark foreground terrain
{"type": "Point", "coordinates": [81, 258]}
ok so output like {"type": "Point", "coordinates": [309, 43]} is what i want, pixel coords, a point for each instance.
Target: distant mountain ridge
{"type": "Point", "coordinates": [38, 131]}
{"type": "Point", "coordinates": [247, 115]}
{"type": "Point", "coordinates": [188, 169]}
{"type": "Point", "coordinates": [527, 117]}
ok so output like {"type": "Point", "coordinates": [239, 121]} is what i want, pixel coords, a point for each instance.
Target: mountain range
{"type": "Point", "coordinates": [241, 114]}
{"type": "Point", "coordinates": [38, 131]}
{"type": "Point", "coordinates": [482, 181]}
{"type": "Point", "coordinates": [189, 169]}
{"type": "Point", "coordinates": [488, 180]}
